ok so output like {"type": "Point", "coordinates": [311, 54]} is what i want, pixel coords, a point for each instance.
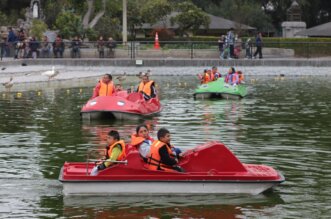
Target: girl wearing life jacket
{"type": "Point", "coordinates": [105, 87]}
{"type": "Point", "coordinates": [161, 155]}
{"type": "Point", "coordinates": [142, 141]}
{"type": "Point", "coordinates": [147, 88]}
{"type": "Point", "coordinates": [115, 151]}
{"type": "Point", "coordinates": [232, 77]}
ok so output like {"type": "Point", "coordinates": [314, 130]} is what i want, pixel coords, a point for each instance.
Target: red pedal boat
{"type": "Point", "coordinates": [209, 169]}
{"type": "Point", "coordinates": [121, 105]}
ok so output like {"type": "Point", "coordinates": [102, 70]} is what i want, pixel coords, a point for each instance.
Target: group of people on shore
{"type": "Point", "coordinates": [24, 46]}
{"type": "Point", "coordinates": [232, 77]}
{"type": "Point", "coordinates": [157, 154]}
{"type": "Point", "coordinates": [230, 45]}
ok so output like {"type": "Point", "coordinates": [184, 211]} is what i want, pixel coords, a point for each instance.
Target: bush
{"type": "Point", "coordinates": [38, 28]}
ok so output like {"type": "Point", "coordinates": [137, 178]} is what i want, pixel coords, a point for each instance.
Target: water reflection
{"type": "Point", "coordinates": [283, 123]}
{"type": "Point", "coordinates": [96, 132]}
{"type": "Point", "coordinates": [207, 206]}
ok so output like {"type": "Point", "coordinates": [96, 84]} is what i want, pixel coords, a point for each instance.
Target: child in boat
{"type": "Point", "coordinates": [232, 77]}
{"type": "Point", "coordinates": [118, 87]}
{"type": "Point", "coordinates": [161, 155]}
{"type": "Point", "coordinates": [207, 77]}
{"type": "Point", "coordinates": [241, 77]}
{"type": "Point", "coordinates": [115, 151]}
{"type": "Point", "coordinates": [142, 141]}
{"type": "Point", "coordinates": [147, 87]}
{"type": "Point", "coordinates": [215, 72]}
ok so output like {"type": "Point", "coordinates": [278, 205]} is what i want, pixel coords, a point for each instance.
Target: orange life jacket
{"type": "Point", "coordinates": [135, 140]}
{"type": "Point", "coordinates": [146, 88]}
{"type": "Point", "coordinates": [241, 77]}
{"type": "Point", "coordinates": [154, 158]}
{"type": "Point", "coordinates": [106, 89]}
{"type": "Point", "coordinates": [208, 77]}
{"type": "Point", "coordinates": [111, 147]}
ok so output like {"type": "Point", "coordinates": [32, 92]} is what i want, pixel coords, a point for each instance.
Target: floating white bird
{"type": "Point", "coordinates": [121, 77]}
{"type": "Point", "coordinates": [51, 74]}
{"type": "Point", "coordinates": [8, 84]}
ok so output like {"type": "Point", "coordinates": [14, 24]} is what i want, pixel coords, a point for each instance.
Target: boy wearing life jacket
{"type": "Point", "coordinates": [241, 77]}
{"type": "Point", "coordinates": [161, 155]}
{"type": "Point", "coordinates": [105, 87]}
{"type": "Point", "coordinates": [115, 151]}
{"type": "Point", "coordinates": [215, 72]}
{"type": "Point", "coordinates": [147, 87]}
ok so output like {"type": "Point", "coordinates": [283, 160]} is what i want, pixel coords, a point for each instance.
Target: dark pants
{"type": "Point", "coordinates": [58, 52]}
{"type": "Point", "coordinates": [231, 51]}
{"type": "Point", "coordinates": [75, 52]}
{"type": "Point", "coordinates": [258, 51]}
{"type": "Point", "coordinates": [101, 53]}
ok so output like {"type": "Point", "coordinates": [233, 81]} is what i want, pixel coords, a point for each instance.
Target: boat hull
{"type": "Point", "coordinates": [220, 89]}
{"type": "Point", "coordinates": [165, 187]}
{"type": "Point", "coordinates": [97, 115]}
{"type": "Point", "coordinates": [120, 105]}
{"type": "Point", "coordinates": [209, 169]}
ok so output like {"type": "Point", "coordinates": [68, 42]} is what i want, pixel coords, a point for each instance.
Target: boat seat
{"type": "Point", "coordinates": [134, 97]}
{"type": "Point", "coordinates": [134, 159]}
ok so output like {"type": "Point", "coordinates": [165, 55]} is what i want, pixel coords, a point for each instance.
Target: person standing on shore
{"type": "Point", "coordinates": [220, 45]}
{"type": "Point", "coordinates": [101, 47]}
{"type": "Point", "coordinates": [259, 43]}
{"type": "Point", "coordinates": [231, 41]}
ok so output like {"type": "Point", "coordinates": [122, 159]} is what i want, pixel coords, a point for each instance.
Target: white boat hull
{"type": "Point", "coordinates": [112, 115]}
{"type": "Point", "coordinates": [165, 187]}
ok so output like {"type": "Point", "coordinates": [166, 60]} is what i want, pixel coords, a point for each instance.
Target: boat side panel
{"type": "Point", "coordinates": [175, 188]}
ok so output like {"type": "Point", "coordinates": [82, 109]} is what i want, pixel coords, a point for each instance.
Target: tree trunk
{"type": "Point", "coordinates": [96, 19]}
{"type": "Point", "coordinates": [90, 11]}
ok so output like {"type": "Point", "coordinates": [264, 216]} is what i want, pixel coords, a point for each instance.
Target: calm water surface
{"type": "Point", "coordinates": [282, 123]}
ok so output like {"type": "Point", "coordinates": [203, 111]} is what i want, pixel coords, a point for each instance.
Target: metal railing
{"type": "Point", "coordinates": [172, 50]}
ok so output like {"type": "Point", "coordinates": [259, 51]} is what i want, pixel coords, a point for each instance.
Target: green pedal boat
{"type": "Point", "coordinates": [220, 89]}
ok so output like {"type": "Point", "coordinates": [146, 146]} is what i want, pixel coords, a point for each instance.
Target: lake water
{"type": "Point", "coordinates": [282, 123]}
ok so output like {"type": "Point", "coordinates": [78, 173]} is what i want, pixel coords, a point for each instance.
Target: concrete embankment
{"type": "Point", "coordinates": [290, 62]}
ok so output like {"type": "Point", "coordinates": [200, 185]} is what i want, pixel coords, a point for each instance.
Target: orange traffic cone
{"type": "Point", "coordinates": [156, 42]}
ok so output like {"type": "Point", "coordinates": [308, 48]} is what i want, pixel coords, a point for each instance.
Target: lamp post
{"type": "Point", "coordinates": [124, 25]}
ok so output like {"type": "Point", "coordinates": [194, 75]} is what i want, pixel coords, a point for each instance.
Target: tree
{"type": "Point", "coordinates": [190, 17]}
{"type": "Point", "coordinates": [135, 19]}
{"type": "Point", "coordinates": [109, 26]}
{"type": "Point", "coordinates": [69, 24]}
{"type": "Point", "coordinates": [38, 28]}
{"type": "Point", "coordinates": [155, 10]}
{"type": "Point", "coordinates": [3, 19]}
{"type": "Point", "coordinates": [244, 12]}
